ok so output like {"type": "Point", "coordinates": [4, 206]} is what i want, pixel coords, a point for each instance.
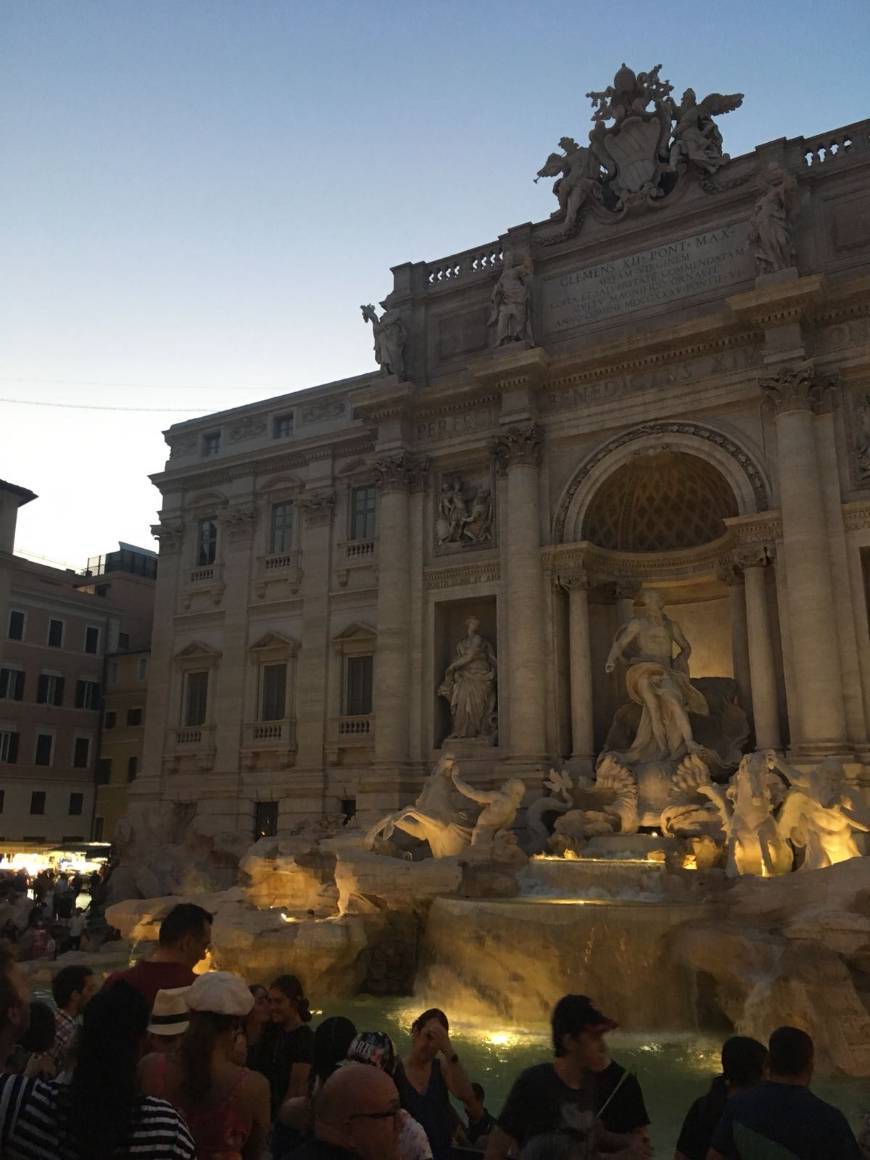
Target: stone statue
{"type": "Point", "coordinates": [469, 686]}
{"type": "Point", "coordinates": [770, 229]}
{"type": "Point", "coordinates": [657, 681]}
{"type": "Point", "coordinates": [753, 843]}
{"type": "Point", "coordinates": [696, 137]}
{"type": "Point", "coordinates": [390, 338]}
{"type": "Point", "coordinates": [819, 815]}
{"type": "Point", "coordinates": [434, 817]}
{"type": "Point", "coordinates": [499, 811]}
{"type": "Point", "coordinates": [456, 522]}
{"type": "Point", "coordinates": [510, 310]}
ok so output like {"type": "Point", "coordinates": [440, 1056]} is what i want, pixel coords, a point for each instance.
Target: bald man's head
{"type": "Point", "coordinates": [357, 1108]}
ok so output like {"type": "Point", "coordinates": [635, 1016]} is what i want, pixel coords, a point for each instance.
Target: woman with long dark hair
{"type": "Point", "coordinates": [225, 1105]}
{"type": "Point", "coordinates": [102, 1114]}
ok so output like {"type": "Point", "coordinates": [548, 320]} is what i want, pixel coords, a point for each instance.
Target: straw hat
{"type": "Point", "coordinates": [170, 1015]}
{"type": "Point", "coordinates": [221, 993]}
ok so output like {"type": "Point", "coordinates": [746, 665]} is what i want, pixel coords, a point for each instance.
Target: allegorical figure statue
{"type": "Point", "coordinates": [658, 681]}
{"type": "Point", "coordinates": [770, 225]}
{"type": "Point", "coordinates": [390, 337]}
{"type": "Point", "coordinates": [469, 685]}
{"type": "Point", "coordinates": [510, 305]}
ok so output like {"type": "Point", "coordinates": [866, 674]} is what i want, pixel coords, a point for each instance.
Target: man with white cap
{"type": "Point", "coordinates": [170, 1018]}
{"type": "Point", "coordinates": [226, 1106]}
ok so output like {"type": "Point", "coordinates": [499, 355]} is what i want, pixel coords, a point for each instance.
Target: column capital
{"type": "Point", "coordinates": [799, 387]}
{"type": "Point", "coordinates": [169, 535]}
{"type": "Point", "coordinates": [317, 508]}
{"type": "Point", "coordinates": [515, 446]}
{"type": "Point", "coordinates": [401, 472]}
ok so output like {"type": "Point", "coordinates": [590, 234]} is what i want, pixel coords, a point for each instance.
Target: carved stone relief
{"type": "Point", "coordinates": [464, 513]}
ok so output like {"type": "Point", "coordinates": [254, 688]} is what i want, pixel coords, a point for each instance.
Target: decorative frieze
{"type": "Point", "coordinates": [318, 507]}
{"type": "Point", "coordinates": [518, 446]}
{"type": "Point", "coordinates": [462, 575]}
{"type": "Point", "coordinates": [798, 387]}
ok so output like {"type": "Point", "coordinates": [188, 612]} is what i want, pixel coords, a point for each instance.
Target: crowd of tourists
{"type": "Point", "coordinates": [160, 1063]}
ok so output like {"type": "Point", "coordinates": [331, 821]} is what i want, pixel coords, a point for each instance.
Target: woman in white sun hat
{"type": "Point", "coordinates": [226, 1106]}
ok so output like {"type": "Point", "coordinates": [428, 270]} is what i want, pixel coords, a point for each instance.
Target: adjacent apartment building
{"type": "Point", "coordinates": [57, 628]}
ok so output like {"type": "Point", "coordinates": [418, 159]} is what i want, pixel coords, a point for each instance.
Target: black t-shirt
{"type": "Point", "coordinates": [701, 1120]}
{"type": "Point", "coordinates": [626, 1111]}
{"type": "Point", "coordinates": [275, 1055]}
{"type": "Point", "coordinates": [787, 1115]}
{"type": "Point", "coordinates": [540, 1102]}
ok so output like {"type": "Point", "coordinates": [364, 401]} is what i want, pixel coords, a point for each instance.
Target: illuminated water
{"type": "Point", "coordinates": [672, 1072]}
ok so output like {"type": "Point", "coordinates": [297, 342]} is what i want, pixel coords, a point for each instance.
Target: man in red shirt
{"type": "Point", "coordinates": [185, 934]}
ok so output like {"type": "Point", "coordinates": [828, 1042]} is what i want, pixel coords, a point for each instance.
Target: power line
{"type": "Point", "coordinates": [99, 407]}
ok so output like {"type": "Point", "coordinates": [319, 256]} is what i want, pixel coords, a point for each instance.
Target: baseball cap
{"type": "Point", "coordinates": [220, 993]}
{"type": "Point", "coordinates": [170, 1015]}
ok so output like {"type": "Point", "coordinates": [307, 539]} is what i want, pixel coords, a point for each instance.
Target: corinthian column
{"type": "Point", "coordinates": [819, 725]}
{"type": "Point", "coordinates": [517, 451]}
{"type": "Point", "coordinates": [580, 667]}
{"type": "Point", "coordinates": [392, 660]}
{"type": "Point", "coordinates": [765, 700]}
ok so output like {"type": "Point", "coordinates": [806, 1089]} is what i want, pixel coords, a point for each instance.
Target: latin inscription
{"type": "Point", "coordinates": [678, 269]}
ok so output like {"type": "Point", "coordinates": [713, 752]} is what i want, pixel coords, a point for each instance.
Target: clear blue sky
{"type": "Point", "coordinates": [196, 196]}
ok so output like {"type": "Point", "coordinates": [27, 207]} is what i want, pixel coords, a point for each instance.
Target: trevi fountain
{"type": "Point", "coordinates": [616, 740]}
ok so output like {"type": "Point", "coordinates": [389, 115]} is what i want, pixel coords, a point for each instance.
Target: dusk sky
{"type": "Point", "coordinates": [195, 196]}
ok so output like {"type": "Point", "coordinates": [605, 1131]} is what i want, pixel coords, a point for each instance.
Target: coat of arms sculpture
{"type": "Point", "coordinates": [640, 145]}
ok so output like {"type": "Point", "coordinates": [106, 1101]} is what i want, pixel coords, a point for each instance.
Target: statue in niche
{"type": "Point", "coordinates": [819, 815]}
{"type": "Point", "coordinates": [434, 817]}
{"type": "Point", "coordinates": [770, 228]}
{"type": "Point", "coordinates": [461, 520]}
{"type": "Point", "coordinates": [390, 337]}
{"type": "Point", "coordinates": [469, 686]}
{"type": "Point", "coordinates": [696, 137]}
{"type": "Point", "coordinates": [510, 305]}
{"type": "Point", "coordinates": [659, 682]}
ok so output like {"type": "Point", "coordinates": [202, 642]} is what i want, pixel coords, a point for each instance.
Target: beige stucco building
{"type": "Point", "coordinates": [668, 385]}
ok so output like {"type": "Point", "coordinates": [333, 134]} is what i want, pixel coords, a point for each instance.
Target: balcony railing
{"type": "Point", "coordinates": [257, 735]}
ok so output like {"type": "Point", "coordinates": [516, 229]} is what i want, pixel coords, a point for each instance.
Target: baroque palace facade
{"type": "Point", "coordinates": [665, 385]}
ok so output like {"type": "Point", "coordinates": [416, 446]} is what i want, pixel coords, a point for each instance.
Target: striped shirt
{"type": "Point", "coordinates": [33, 1118]}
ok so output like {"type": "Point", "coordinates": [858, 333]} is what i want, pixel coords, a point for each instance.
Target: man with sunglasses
{"type": "Point", "coordinates": [560, 1096]}
{"type": "Point", "coordinates": [356, 1114]}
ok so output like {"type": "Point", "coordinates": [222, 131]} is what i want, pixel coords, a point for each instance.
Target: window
{"type": "Point", "coordinates": [110, 718]}
{"type": "Point", "coordinates": [16, 624]}
{"type": "Point", "coordinates": [282, 426]}
{"type": "Point", "coordinates": [141, 668]}
{"type": "Point", "coordinates": [11, 684]}
{"type": "Point", "coordinates": [92, 639]}
{"type": "Point", "coordinates": [103, 770]}
{"type": "Point", "coordinates": [8, 746]}
{"type": "Point", "coordinates": [358, 688]}
{"type": "Point", "coordinates": [37, 801]}
{"type": "Point", "coordinates": [87, 695]}
{"type": "Point", "coordinates": [98, 829]}
{"type": "Point", "coordinates": [281, 529]}
{"type": "Point", "coordinates": [49, 689]}
{"type": "Point", "coordinates": [123, 640]}
{"type": "Point", "coordinates": [265, 820]}
{"type": "Point", "coordinates": [273, 694]}
{"type": "Point", "coordinates": [81, 753]}
{"type": "Point", "coordinates": [195, 698]}
{"type": "Point", "coordinates": [134, 717]}
{"type": "Point", "coordinates": [211, 443]}
{"type": "Point", "coordinates": [55, 633]}
{"type": "Point", "coordinates": [363, 501]}
{"type": "Point", "coordinates": [206, 549]}
{"type": "Point", "coordinates": [76, 804]}
{"type": "Point", "coordinates": [44, 748]}
{"type": "Point", "coordinates": [132, 768]}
